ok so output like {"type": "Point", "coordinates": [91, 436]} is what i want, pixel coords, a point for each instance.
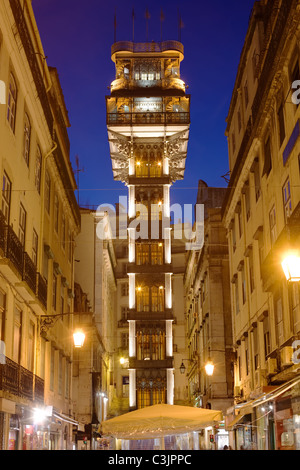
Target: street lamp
{"type": "Point", "coordinates": [209, 367]}
{"type": "Point", "coordinates": [291, 267]}
{"type": "Point", "coordinates": [78, 337]}
{"type": "Point", "coordinates": [48, 321]}
{"type": "Point", "coordinates": [182, 367]}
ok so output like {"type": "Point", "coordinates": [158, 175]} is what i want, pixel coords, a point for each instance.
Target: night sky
{"type": "Point", "coordinates": [77, 36]}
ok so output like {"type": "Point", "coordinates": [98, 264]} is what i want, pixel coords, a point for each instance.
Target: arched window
{"type": "Point", "coordinates": [27, 135]}
{"type": "Point", "coordinates": [12, 102]}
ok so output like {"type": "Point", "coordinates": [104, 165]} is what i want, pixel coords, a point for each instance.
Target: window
{"type": "Point", "coordinates": [266, 329]}
{"type": "Point", "coordinates": [243, 283]}
{"type": "Point", "coordinates": [268, 157]}
{"type": "Point", "coordinates": [52, 368]}
{"type": "Point", "coordinates": [281, 124]}
{"type": "Point", "coordinates": [17, 334]}
{"type": "Point", "coordinates": [279, 319]}
{"type": "Point", "coordinates": [233, 142]}
{"type": "Point", "coordinates": [239, 117]}
{"type": "Point", "coordinates": [236, 294]}
{"type": "Point", "coordinates": [247, 200]}
{"type": "Point", "coordinates": [157, 75]}
{"type": "Point", "coordinates": [247, 356]}
{"type": "Point", "coordinates": [144, 76]}
{"type": "Point", "coordinates": [124, 313]}
{"type": "Point", "coordinates": [255, 62]}
{"type": "Point", "coordinates": [150, 76]}
{"type": "Point", "coordinates": [287, 202]}
{"type": "Point", "coordinates": [47, 192]}
{"type": "Point", "coordinates": [6, 197]}
{"type": "Point", "coordinates": [124, 340]}
{"type": "Point", "coordinates": [30, 346]}
{"type": "Point", "coordinates": [70, 245]}
{"type": "Point", "coordinates": [137, 76]}
{"type": "Point", "coordinates": [60, 373]}
{"type": "Point", "coordinates": [2, 314]}
{"type": "Point", "coordinates": [56, 213]}
{"type": "Point", "coordinates": [233, 235]}
{"type": "Point", "coordinates": [67, 379]}
{"type": "Point", "coordinates": [63, 232]}
{"type": "Point", "coordinates": [35, 242]}
{"type": "Point", "coordinates": [272, 222]}
{"type": "Point", "coordinates": [251, 271]}
{"type": "Point", "coordinates": [12, 103]}
{"type": "Point", "coordinates": [256, 175]}
{"type": "Point", "coordinates": [295, 74]}
{"type": "Point", "coordinates": [246, 94]}
{"type": "Point", "coordinates": [27, 135]}
{"type": "Point", "coordinates": [54, 291]}
{"type": "Point", "coordinates": [124, 289]}
{"type": "Point", "coordinates": [22, 225]}
{"type": "Point", "coordinates": [255, 348]}
{"type": "Point", "coordinates": [38, 169]}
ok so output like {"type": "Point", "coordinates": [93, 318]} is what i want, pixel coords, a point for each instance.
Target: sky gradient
{"type": "Point", "coordinates": [77, 36]}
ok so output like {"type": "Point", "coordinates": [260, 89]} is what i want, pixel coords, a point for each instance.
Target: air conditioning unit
{"type": "Point", "coordinates": [260, 378]}
{"type": "Point", "coordinates": [286, 355]}
{"type": "Point", "coordinates": [271, 366]}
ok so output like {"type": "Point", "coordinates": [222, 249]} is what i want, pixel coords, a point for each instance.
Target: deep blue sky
{"type": "Point", "coordinates": [77, 36]}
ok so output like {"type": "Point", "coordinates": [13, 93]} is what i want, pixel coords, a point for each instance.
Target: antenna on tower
{"type": "Point", "coordinates": [162, 18]}
{"type": "Point", "coordinates": [115, 26]}
{"type": "Point", "coordinates": [133, 17]}
{"type": "Point", "coordinates": [180, 26]}
{"type": "Point", "coordinates": [77, 171]}
{"type": "Point", "coordinates": [147, 16]}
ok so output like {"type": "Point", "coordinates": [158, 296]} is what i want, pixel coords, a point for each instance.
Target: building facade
{"type": "Point", "coordinates": [148, 127]}
{"type": "Point", "coordinates": [94, 385]}
{"type": "Point", "coordinates": [39, 221]}
{"type": "Point", "coordinates": [261, 215]}
{"type": "Point", "coordinates": [208, 314]}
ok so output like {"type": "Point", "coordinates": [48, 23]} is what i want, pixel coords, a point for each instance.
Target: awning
{"type": "Point", "coordinates": [160, 420]}
{"type": "Point", "coordinates": [248, 407]}
{"type": "Point", "coordinates": [65, 418]}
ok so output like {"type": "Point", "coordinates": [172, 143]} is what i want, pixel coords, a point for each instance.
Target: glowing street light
{"type": "Point", "coordinates": [209, 367]}
{"type": "Point", "coordinates": [79, 338]}
{"type": "Point", "coordinates": [291, 267]}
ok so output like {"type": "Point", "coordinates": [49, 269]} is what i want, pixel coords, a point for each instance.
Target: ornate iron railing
{"type": "Point", "coordinates": [29, 272]}
{"type": "Point", "coordinates": [14, 250]}
{"type": "Point", "coordinates": [19, 381]}
{"type": "Point", "coordinates": [148, 118]}
{"type": "Point", "coordinates": [41, 291]}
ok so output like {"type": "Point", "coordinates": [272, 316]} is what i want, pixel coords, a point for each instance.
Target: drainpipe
{"type": "Point", "coordinates": [44, 161]}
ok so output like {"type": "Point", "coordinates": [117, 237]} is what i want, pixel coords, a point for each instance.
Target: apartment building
{"type": "Point", "coordinates": [39, 221]}
{"type": "Point", "coordinates": [208, 313]}
{"type": "Point", "coordinates": [261, 216]}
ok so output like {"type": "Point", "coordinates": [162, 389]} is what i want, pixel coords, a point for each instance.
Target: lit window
{"type": "Point", "coordinates": [151, 76]}
{"type": "Point", "coordinates": [144, 76]}
{"type": "Point", "coordinates": [157, 76]}
{"type": "Point", "coordinates": [137, 76]}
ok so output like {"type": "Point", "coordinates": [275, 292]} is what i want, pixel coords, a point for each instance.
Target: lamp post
{"type": "Point", "coordinates": [291, 267]}
{"type": "Point", "coordinates": [48, 321]}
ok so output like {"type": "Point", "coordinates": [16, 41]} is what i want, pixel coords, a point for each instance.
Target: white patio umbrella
{"type": "Point", "coordinates": [160, 420]}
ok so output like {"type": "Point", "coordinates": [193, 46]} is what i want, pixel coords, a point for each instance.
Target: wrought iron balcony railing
{"type": "Point", "coordinates": [12, 249]}
{"type": "Point", "coordinates": [21, 382]}
{"type": "Point", "coordinates": [148, 118]}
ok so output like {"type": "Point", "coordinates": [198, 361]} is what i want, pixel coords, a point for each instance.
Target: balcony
{"type": "Point", "coordinates": [148, 268]}
{"type": "Point", "coordinates": [166, 314]}
{"type": "Point", "coordinates": [145, 47]}
{"type": "Point", "coordinates": [129, 119]}
{"type": "Point", "coordinates": [18, 263]}
{"type": "Point", "coordinates": [148, 364]}
{"type": "Point", "coordinates": [18, 381]}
